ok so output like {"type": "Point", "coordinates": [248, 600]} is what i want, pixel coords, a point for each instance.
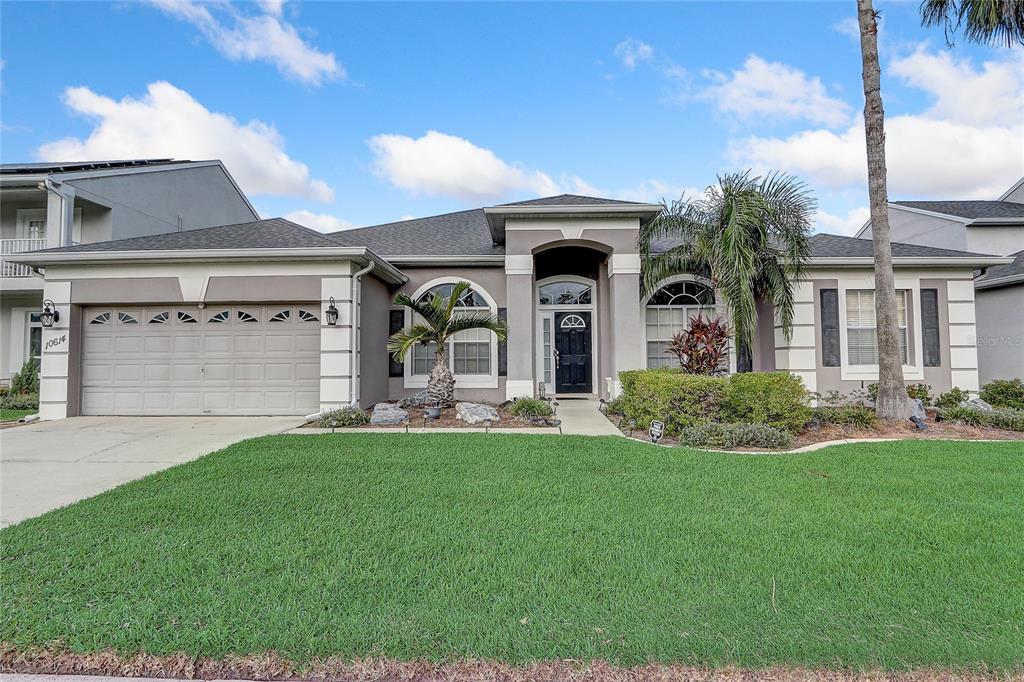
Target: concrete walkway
{"type": "Point", "coordinates": [47, 465]}
{"type": "Point", "coordinates": [582, 417]}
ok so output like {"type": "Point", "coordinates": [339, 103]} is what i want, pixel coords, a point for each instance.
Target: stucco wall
{"type": "Point", "coordinates": [998, 240]}
{"type": "Point", "coordinates": [1000, 314]}
{"type": "Point", "coordinates": [374, 304]}
{"type": "Point", "coordinates": [927, 230]}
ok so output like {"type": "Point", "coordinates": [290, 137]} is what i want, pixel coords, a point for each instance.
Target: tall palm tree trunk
{"type": "Point", "coordinates": [892, 397]}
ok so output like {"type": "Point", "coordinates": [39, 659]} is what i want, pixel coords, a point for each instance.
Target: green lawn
{"type": "Point", "coordinates": [14, 415]}
{"type": "Point", "coordinates": [899, 555]}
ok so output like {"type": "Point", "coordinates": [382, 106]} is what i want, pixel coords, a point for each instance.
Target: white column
{"type": "Point", "coordinates": [627, 317]}
{"type": "Point", "coordinates": [521, 380]}
{"type": "Point", "coordinates": [57, 340]}
{"type": "Point", "coordinates": [336, 344]}
{"type": "Point", "coordinates": [963, 336]}
{"type": "Point", "coordinates": [798, 354]}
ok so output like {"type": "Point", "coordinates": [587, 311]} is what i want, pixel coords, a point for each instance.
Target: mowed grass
{"type": "Point", "coordinates": [894, 555]}
{"type": "Point", "coordinates": [14, 415]}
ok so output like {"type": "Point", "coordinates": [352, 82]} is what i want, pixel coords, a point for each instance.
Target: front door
{"type": "Point", "coordinates": [572, 353]}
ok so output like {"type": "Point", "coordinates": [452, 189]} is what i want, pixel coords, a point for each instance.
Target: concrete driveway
{"type": "Point", "coordinates": [52, 464]}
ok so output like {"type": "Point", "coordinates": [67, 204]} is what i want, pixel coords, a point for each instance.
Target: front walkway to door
{"type": "Point", "coordinates": [583, 418]}
{"type": "Point", "coordinates": [51, 464]}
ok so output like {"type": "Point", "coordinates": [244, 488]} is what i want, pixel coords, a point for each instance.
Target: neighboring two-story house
{"type": "Point", "coordinates": [992, 227]}
{"type": "Point", "coordinates": [49, 205]}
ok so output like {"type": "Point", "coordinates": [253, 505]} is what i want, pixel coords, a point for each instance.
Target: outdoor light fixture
{"type": "Point", "coordinates": [50, 314]}
{"type": "Point", "coordinates": [332, 313]}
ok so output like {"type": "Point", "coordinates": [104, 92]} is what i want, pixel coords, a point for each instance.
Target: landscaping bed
{"type": "Point", "coordinates": [518, 413]}
{"type": "Point", "coordinates": [448, 420]}
{"type": "Point", "coordinates": [446, 548]}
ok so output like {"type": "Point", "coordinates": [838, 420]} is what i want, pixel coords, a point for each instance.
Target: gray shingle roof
{"type": "Point", "coordinates": [78, 166]}
{"type": "Point", "coordinates": [571, 200]}
{"type": "Point", "coordinates": [836, 246]}
{"type": "Point", "coordinates": [463, 233]}
{"type": "Point", "coordinates": [970, 209]}
{"type": "Point", "coordinates": [273, 233]}
{"type": "Point", "coordinates": [1014, 270]}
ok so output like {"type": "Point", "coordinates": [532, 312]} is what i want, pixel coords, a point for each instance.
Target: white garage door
{"type": "Point", "coordinates": [221, 360]}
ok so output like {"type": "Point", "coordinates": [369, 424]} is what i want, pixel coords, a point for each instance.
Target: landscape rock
{"type": "Point", "coordinates": [421, 399]}
{"type": "Point", "coordinates": [977, 404]}
{"type": "Point", "coordinates": [917, 409]}
{"type": "Point", "coordinates": [474, 413]}
{"type": "Point", "coordinates": [388, 414]}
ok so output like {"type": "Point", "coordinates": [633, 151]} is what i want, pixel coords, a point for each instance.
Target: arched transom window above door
{"type": "Point", "coordinates": [565, 293]}
{"type": "Point", "coordinates": [669, 311]}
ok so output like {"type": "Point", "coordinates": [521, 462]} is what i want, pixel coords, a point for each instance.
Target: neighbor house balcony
{"type": "Point", "coordinates": [9, 247]}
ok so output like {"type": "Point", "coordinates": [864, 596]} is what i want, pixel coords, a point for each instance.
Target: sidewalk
{"type": "Point", "coordinates": [583, 418]}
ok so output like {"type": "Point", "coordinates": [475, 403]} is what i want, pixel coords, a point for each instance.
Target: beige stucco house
{"type": "Point", "coordinates": [240, 319]}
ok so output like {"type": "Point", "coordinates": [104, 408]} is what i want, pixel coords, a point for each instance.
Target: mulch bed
{"type": "Point", "coordinates": [449, 420]}
{"type": "Point", "coordinates": [270, 666]}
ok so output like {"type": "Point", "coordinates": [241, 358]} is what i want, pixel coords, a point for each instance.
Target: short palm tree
{"type": "Point", "coordinates": [749, 235]}
{"type": "Point", "coordinates": [439, 323]}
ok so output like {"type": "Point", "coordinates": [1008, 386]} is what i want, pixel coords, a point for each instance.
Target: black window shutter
{"type": "Point", "coordinates": [930, 327]}
{"type": "Point", "coordinates": [503, 347]}
{"type": "Point", "coordinates": [830, 356]}
{"type": "Point", "coordinates": [395, 324]}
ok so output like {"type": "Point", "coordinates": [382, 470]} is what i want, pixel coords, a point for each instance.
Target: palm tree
{"type": "Point", "coordinates": [748, 235]}
{"type": "Point", "coordinates": [983, 21]}
{"type": "Point", "coordinates": [439, 324]}
{"type": "Point", "coordinates": [993, 22]}
{"type": "Point", "coordinates": [891, 403]}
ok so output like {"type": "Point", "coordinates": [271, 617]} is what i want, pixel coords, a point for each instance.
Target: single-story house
{"type": "Point", "coordinates": [269, 317]}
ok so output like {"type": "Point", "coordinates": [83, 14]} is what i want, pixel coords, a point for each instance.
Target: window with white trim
{"type": "Point", "coordinates": [669, 311]}
{"type": "Point", "coordinates": [468, 353]}
{"type": "Point", "coordinates": [564, 293]}
{"type": "Point", "coordinates": [862, 330]}
{"type": "Point", "coordinates": [35, 336]}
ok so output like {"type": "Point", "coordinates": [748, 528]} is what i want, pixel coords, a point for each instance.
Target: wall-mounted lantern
{"type": "Point", "coordinates": [331, 315]}
{"type": "Point", "coordinates": [50, 314]}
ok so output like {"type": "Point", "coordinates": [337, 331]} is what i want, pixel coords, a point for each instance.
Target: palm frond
{"type": "Point", "coordinates": [425, 308]}
{"type": "Point", "coordinates": [478, 320]}
{"type": "Point", "coordinates": [402, 341]}
{"type": "Point", "coordinates": [987, 22]}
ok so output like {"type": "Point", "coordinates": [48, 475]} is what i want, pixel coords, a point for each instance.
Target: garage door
{"type": "Point", "coordinates": [220, 360]}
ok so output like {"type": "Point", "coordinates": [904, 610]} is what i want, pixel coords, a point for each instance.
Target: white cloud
{"type": "Point", "coordinates": [632, 51]}
{"type": "Point", "coordinates": [949, 151]}
{"type": "Point", "coordinates": [321, 222]}
{"type": "Point", "coordinates": [446, 165]}
{"type": "Point", "coordinates": [842, 224]}
{"type": "Point", "coordinates": [169, 122]}
{"type": "Point", "coordinates": [259, 37]}
{"type": "Point", "coordinates": [771, 89]}
{"type": "Point", "coordinates": [848, 27]}
{"type": "Point", "coordinates": [654, 190]}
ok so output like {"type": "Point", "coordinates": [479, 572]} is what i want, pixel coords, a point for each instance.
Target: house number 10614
{"type": "Point", "coordinates": [56, 342]}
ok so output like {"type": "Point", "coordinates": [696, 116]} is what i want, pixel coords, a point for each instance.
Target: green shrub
{"type": "Point", "coordinates": [844, 415]}
{"type": "Point", "coordinates": [1010, 420]}
{"type": "Point", "coordinates": [530, 408]}
{"type": "Point", "coordinates": [1007, 393]}
{"type": "Point", "coordinates": [20, 401]}
{"type": "Point", "coordinates": [952, 398]}
{"type": "Point", "coordinates": [922, 392]}
{"type": "Point", "coordinates": [27, 380]}
{"type": "Point", "coordinates": [777, 399]}
{"type": "Point", "coordinates": [614, 406]}
{"type": "Point", "coordinates": [343, 417]}
{"type": "Point", "coordinates": [716, 435]}
{"type": "Point", "coordinates": [680, 400]}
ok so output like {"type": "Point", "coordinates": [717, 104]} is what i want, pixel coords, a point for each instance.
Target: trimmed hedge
{"type": "Point", "coordinates": [344, 417]}
{"type": "Point", "coordinates": [777, 399]}
{"type": "Point", "coordinates": [845, 415]}
{"type": "Point", "coordinates": [20, 401]}
{"type": "Point", "coordinates": [717, 435]}
{"type": "Point", "coordinates": [1010, 420]}
{"type": "Point", "coordinates": [680, 400]}
{"type": "Point", "coordinates": [1008, 393]}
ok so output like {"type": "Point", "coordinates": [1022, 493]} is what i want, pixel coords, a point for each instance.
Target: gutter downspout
{"type": "Point", "coordinates": [356, 332]}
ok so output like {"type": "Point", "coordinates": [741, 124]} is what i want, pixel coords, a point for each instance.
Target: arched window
{"type": "Point", "coordinates": [469, 353]}
{"type": "Point", "coordinates": [564, 293]}
{"type": "Point", "coordinates": [669, 311]}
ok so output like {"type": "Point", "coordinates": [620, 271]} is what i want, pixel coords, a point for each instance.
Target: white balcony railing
{"type": "Point", "coordinates": [12, 246]}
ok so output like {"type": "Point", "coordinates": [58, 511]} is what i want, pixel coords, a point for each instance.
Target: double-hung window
{"type": "Point", "coordinates": [862, 330]}
{"type": "Point", "coordinates": [668, 312]}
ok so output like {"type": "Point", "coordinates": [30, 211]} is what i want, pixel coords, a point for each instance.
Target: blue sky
{"type": "Point", "coordinates": [341, 114]}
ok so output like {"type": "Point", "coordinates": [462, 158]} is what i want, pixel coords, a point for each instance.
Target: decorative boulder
{"type": "Point", "coordinates": [917, 409]}
{"type": "Point", "coordinates": [388, 414]}
{"type": "Point", "coordinates": [977, 404]}
{"type": "Point", "coordinates": [421, 399]}
{"type": "Point", "coordinates": [474, 413]}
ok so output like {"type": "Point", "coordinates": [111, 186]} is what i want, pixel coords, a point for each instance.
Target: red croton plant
{"type": "Point", "coordinates": [702, 348]}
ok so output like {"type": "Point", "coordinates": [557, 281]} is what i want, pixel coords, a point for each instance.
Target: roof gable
{"type": "Point", "coordinates": [572, 200]}
{"type": "Point", "coordinates": [971, 210]}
